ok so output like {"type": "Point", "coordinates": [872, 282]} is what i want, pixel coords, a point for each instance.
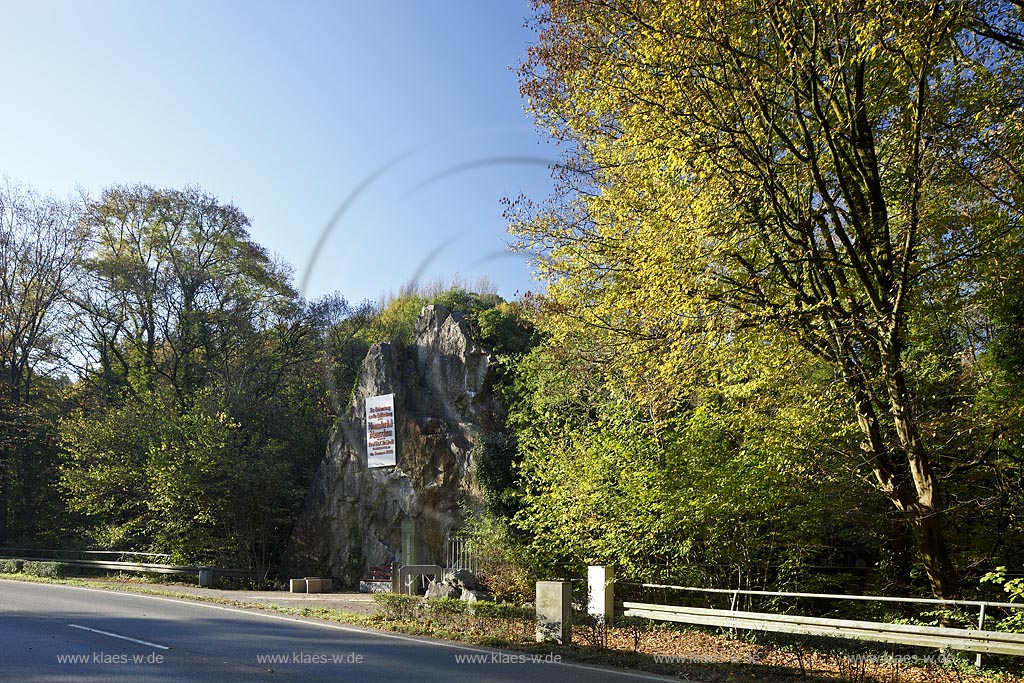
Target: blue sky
{"type": "Point", "coordinates": [408, 110]}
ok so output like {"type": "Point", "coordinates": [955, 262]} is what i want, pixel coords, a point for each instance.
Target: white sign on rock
{"type": "Point", "coordinates": [380, 431]}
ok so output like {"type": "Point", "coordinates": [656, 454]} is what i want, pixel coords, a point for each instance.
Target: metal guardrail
{"type": "Point", "coordinates": [65, 557]}
{"type": "Point", "coordinates": [46, 554]}
{"type": "Point", "coordinates": [988, 642]}
{"type": "Point", "coordinates": [967, 640]}
{"type": "Point", "coordinates": [833, 596]}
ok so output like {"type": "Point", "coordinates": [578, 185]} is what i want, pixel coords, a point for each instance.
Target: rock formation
{"type": "Point", "coordinates": [461, 585]}
{"type": "Point", "coordinates": [443, 405]}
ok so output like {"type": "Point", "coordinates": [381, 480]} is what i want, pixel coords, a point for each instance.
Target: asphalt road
{"type": "Point", "coordinates": [53, 634]}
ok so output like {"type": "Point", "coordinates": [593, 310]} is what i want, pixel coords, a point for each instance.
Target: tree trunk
{"type": "Point", "coordinates": [931, 548]}
{"type": "Point", "coordinates": [5, 491]}
{"type": "Point", "coordinates": [919, 506]}
{"type": "Point", "coordinates": [916, 496]}
{"type": "Point", "coordinates": [924, 506]}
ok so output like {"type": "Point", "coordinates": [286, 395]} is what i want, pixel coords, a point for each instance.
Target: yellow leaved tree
{"type": "Point", "coordinates": [778, 172]}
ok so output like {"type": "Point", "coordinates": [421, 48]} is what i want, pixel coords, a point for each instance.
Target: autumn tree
{"type": "Point", "coordinates": [759, 170]}
{"type": "Point", "coordinates": [40, 242]}
{"type": "Point", "coordinates": [175, 287]}
{"type": "Point", "coordinates": [204, 403]}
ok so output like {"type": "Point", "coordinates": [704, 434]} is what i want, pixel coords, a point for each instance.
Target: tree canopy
{"type": "Point", "coordinates": [748, 174]}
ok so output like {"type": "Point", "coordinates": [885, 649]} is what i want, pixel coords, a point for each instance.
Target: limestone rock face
{"type": "Point", "coordinates": [443, 405]}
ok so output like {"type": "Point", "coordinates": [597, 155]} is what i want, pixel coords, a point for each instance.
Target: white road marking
{"type": "Point", "coordinates": [115, 635]}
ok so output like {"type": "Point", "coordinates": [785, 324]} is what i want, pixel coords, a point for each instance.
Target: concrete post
{"type": "Point", "coordinates": [554, 612]}
{"type": "Point", "coordinates": [601, 593]}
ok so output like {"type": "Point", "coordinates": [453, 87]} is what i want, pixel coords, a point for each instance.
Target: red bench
{"type": "Point", "coordinates": [379, 574]}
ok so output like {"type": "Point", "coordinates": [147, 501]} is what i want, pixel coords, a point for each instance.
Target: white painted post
{"type": "Point", "coordinates": [981, 627]}
{"type": "Point", "coordinates": [601, 593]}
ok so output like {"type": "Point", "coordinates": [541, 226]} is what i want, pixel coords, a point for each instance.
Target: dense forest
{"type": "Point", "coordinates": [779, 341]}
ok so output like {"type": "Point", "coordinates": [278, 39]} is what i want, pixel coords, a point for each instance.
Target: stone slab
{"type": "Point", "coordinates": [375, 587]}
{"type": "Point", "coordinates": [554, 612]}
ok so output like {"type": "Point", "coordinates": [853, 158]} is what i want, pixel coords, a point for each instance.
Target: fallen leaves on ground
{"type": "Point", "coordinates": [702, 656]}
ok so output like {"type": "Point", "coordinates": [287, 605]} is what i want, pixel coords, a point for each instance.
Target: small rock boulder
{"type": "Point", "coordinates": [458, 584]}
{"type": "Point", "coordinates": [463, 578]}
{"type": "Point", "coordinates": [476, 596]}
{"type": "Point", "coordinates": [442, 589]}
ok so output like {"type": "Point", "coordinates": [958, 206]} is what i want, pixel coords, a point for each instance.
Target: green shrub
{"type": "Point", "coordinates": [444, 609]}
{"type": "Point", "coordinates": [450, 614]}
{"type": "Point", "coordinates": [505, 621]}
{"type": "Point", "coordinates": [46, 570]}
{"type": "Point", "coordinates": [1015, 589]}
{"type": "Point", "coordinates": [500, 622]}
{"type": "Point", "coordinates": [10, 566]}
{"type": "Point", "coordinates": [397, 607]}
{"type": "Point", "coordinates": [503, 610]}
{"type": "Point", "coordinates": [501, 564]}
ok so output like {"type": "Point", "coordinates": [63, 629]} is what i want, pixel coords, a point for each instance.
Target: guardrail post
{"type": "Point", "coordinates": [601, 593]}
{"type": "Point", "coordinates": [205, 577]}
{"type": "Point", "coordinates": [554, 611]}
{"type": "Point", "coordinates": [981, 627]}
